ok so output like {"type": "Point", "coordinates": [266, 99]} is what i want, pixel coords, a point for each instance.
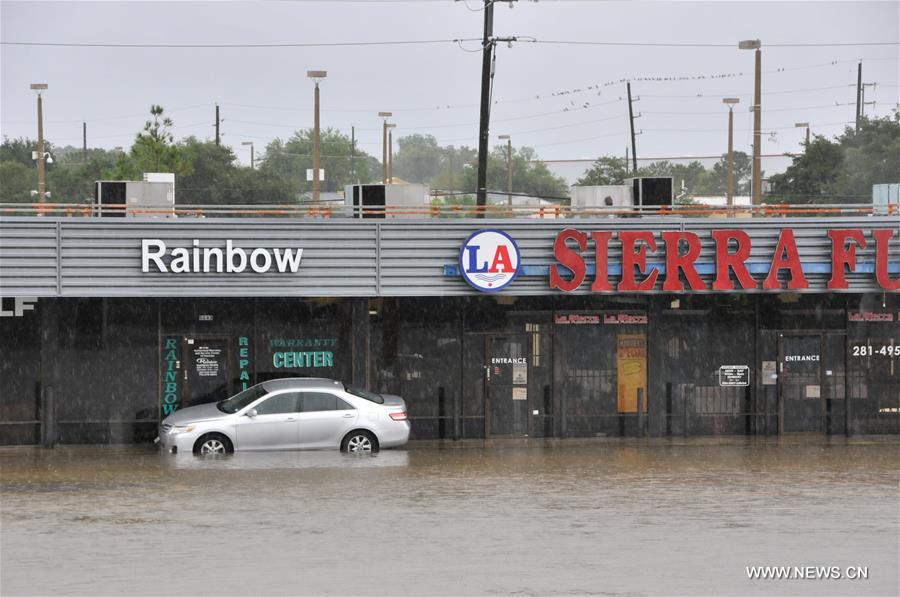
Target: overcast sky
{"type": "Point", "coordinates": [434, 88]}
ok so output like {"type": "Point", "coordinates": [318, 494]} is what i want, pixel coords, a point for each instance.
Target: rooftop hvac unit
{"type": "Point", "coordinates": [386, 201]}
{"type": "Point", "coordinates": [652, 191]}
{"type": "Point", "coordinates": [153, 197]}
{"type": "Point", "coordinates": [602, 197]}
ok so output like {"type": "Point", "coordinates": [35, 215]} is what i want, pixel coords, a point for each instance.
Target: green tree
{"type": "Point", "coordinates": [456, 160]}
{"type": "Point", "coordinates": [529, 175]}
{"type": "Point", "coordinates": [16, 182]}
{"type": "Point", "coordinates": [842, 170]}
{"type": "Point", "coordinates": [418, 158]}
{"type": "Point", "coordinates": [71, 180]}
{"type": "Point", "coordinates": [743, 172]}
{"type": "Point", "coordinates": [605, 170]}
{"type": "Point", "coordinates": [289, 160]}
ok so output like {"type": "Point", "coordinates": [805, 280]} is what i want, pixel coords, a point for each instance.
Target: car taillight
{"type": "Point", "coordinates": [400, 416]}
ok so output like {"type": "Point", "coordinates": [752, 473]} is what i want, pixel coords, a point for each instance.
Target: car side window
{"type": "Point", "coordinates": [319, 401]}
{"type": "Point", "coordinates": [279, 404]}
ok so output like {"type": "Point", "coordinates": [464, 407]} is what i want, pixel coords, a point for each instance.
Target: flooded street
{"type": "Point", "coordinates": [606, 518]}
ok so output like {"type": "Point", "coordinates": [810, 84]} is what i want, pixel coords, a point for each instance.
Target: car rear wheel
{"type": "Point", "coordinates": [359, 441]}
{"type": "Point", "coordinates": [213, 443]}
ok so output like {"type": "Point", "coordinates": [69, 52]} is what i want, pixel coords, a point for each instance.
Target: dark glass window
{"type": "Point", "coordinates": [278, 404]}
{"type": "Point", "coordinates": [319, 401]}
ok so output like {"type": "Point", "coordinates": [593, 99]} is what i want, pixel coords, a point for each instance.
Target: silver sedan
{"type": "Point", "coordinates": [289, 414]}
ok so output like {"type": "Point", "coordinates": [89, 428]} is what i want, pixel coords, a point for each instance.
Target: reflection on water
{"type": "Point", "coordinates": [617, 517]}
{"type": "Point", "coordinates": [286, 460]}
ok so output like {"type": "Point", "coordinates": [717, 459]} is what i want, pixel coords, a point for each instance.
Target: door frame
{"type": "Point", "coordinates": [824, 391]}
{"type": "Point", "coordinates": [529, 423]}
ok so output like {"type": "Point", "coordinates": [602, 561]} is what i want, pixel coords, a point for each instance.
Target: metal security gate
{"type": "Point", "coordinates": [506, 385]}
{"type": "Point", "coordinates": [811, 382]}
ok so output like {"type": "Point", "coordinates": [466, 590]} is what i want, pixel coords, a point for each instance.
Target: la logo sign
{"type": "Point", "coordinates": [489, 260]}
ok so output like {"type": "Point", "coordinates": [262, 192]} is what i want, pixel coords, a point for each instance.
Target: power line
{"type": "Point", "coordinates": [708, 45]}
{"type": "Point", "coordinates": [247, 45]}
{"type": "Point", "coordinates": [523, 38]}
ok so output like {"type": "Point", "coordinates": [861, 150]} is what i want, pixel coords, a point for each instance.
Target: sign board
{"type": "Point", "coordinates": [520, 393]}
{"type": "Point", "coordinates": [813, 391]}
{"type": "Point", "coordinates": [309, 174]}
{"type": "Point", "coordinates": [734, 375]}
{"type": "Point", "coordinates": [520, 374]}
{"type": "Point", "coordinates": [769, 373]}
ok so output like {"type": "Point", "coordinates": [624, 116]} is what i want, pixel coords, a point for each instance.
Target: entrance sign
{"type": "Point", "coordinates": [734, 375]}
{"type": "Point", "coordinates": [489, 260]}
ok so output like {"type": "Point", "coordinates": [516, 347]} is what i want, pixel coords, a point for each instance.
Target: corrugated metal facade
{"type": "Point", "coordinates": [102, 257]}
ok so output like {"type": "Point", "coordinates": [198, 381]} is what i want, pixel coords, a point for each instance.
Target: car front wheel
{"type": "Point", "coordinates": [213, 443]}
{"type": "Point", "coordinates": [359, 441]}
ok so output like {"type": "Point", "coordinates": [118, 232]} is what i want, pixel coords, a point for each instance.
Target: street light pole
{"type": "Point", "coordinates": [730, 102]}
{"type": "Point", "coordinates": [42, 185]}
{"type": "Point", "coordinates": [508, 169]}
{"type": "Point", "coordinates": [390, 153]}
{"type": "Point", "coordinates": [250, 143]}
{"type": "Point", "coordinates": [806, 126]}
{"type": "Point", "coordinates": [384, 150]}
{"type": "Point", "coordinates": [316, 75]}
{"type": "Point", "coordinates": [755, 44]}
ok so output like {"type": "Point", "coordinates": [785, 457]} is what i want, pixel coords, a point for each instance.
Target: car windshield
{"type": "Point", "coordinates": [239, 401]}
{"type": "Point", "coordinates": [371, 396]}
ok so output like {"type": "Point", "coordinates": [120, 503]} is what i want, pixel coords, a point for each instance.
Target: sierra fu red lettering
{"type": "Point", "coordinates": [882, 246]}
{"type": "Point", "coordinates": [676, 262]}
{"type": "Point", "coordinates": [786, 257]}
{"type": "Point", "coordinates": [569, 259]}
{"type": "Point", "coordinates": [843, 255]}
{"type": "Point", "coordinates": [636, 255]}
{"type": "Point", "coordinates": [601, 259]}
{"type": "Point", "coordinates": [732, 262]}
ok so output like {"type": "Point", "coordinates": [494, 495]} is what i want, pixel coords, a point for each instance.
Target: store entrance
{"type": "Point", "coordinates": [206, 376]}
{"type": "Point", "coordinates": [506, 385]}
{"type": "Point", "coordinates": [811, 385]}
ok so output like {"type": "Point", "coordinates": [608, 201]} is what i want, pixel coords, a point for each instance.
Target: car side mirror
{"type": "Point", "coordinates": [251, 413]}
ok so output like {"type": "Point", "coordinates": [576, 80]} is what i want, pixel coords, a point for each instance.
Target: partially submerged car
{"type": "Point", "coordinates": [289, 414]}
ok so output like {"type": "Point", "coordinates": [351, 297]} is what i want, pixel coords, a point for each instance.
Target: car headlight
{"type": "Point", "coordinates": [186, 429]}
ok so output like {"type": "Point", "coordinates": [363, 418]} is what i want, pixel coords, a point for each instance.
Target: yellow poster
{"type": "Point", "coordinates": [631, 371]}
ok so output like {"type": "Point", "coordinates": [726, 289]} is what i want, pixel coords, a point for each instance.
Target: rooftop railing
{"type": "Point", "coordinates": [326, 210]}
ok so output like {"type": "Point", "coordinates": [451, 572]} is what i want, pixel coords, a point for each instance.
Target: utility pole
{"type": "Point", "coordinates": [858, 94]}
{"type": "Point", "coordinates": [252, 160]}
{"type": "Point", "coordinates": [353, 154]}
{"type": "Point", "coordinates": [730, 102]}
{"type": "Point", "coordinates": [217, 124]}
{"type": "Point", "coordinates": [631, 121]}
{"type": "Point", "coordinates": [864, 103]}
{"type": "Point", "coordinates": [755, 44]}
{"type": "Point", "coordinates": [390, 158]}
{"type": "Point", "coordinates": [450, 159]}
{"type": "Point", "coordinates": [316, 76]}
{"type": "Point", "coordinates": [508, 169]}
{"type": "Point", "coordinates": [41, 156]}
{"type": "Point", "coordinates": [487, 51]}
{"type": "Point", "coordinates": [384, 149]}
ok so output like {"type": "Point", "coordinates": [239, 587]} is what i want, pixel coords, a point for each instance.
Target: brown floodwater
{"type": "Point", "coordinates": [682, 517]}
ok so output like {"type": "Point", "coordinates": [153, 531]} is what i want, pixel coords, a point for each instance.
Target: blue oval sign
{"type": "Point", "coordinates": [489, 260]}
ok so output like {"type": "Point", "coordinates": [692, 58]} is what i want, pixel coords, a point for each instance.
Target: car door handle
{"type": "Point", "coordinates": [289, 420]}
{"type": "Point", "coordinates": [348, 415]}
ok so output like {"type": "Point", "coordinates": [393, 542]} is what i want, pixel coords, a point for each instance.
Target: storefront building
{"type": "Point", "coordinates": [654, 326]}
